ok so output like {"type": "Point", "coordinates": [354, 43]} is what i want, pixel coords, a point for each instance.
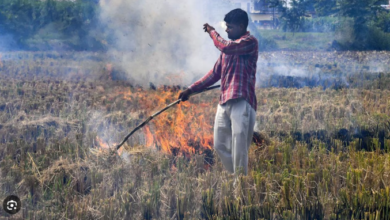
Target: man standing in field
{"type": "Point", "coordinates": [236, 113]}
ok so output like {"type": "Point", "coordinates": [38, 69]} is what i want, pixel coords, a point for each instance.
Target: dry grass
{"type": "Point", "coordinates": [47, 128]}
{"type": "Point", "coordinates": [316, 109]}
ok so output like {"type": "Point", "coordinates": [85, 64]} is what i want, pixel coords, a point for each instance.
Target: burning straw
{"type": "Point", "coordinates": [105, 146]}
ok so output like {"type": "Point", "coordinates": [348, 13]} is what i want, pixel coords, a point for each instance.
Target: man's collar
{"type": "Point", "coordinates": [245, 35]}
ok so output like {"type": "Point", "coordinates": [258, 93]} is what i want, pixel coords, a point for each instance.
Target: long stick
{"type": "Point", "coordinates": [159, 112]}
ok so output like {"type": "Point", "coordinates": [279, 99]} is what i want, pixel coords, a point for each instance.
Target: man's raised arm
{"type": "Point", "coordinates": [237, 47]}
{"type": "Point", "coordinates": [207, 80]}
{"type": "Point", "coordinates": [210, 78]}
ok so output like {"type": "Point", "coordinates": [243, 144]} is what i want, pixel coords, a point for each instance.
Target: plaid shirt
{"type": "Point", "coordinates": [236, 67]}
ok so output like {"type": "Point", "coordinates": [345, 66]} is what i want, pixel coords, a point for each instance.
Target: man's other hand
{"type": "Point", "coordinates": [207, 28]}
{"type": "Point", "coordinates": [185, 95]}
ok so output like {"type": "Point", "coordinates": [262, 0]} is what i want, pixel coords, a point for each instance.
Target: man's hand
{"type": "Point", "coordinates": [207, 28]}
{"type": "Point", "coordinates": [185, 95]}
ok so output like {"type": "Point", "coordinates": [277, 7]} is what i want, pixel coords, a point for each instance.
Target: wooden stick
{"type": "Point", "coordinates": [159, 112]}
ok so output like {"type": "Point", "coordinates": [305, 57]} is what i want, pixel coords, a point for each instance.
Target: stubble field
{"type": "Point", "coordinates": [322, 151]}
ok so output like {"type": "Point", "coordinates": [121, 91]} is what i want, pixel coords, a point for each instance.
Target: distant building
{"type": "Point", "coordinates": [386, 6]}
{"type": "Point", "coordinates": [259, 12]}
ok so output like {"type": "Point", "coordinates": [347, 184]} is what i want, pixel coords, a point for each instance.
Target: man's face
{"type": "Point", "coordinates": [234, 31]}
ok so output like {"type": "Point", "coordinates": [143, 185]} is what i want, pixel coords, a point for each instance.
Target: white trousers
{"type": "Point", "coordinates": [233, 131]}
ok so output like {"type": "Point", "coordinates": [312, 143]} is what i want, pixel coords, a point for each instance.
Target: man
{"type": "Point", "coordinates": [236, 112]}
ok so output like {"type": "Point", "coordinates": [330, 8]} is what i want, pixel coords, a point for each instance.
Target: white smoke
{"type": "Point", "coordinates": [157, 39]}
{"type": "Point", "coordinates": [7, 42]}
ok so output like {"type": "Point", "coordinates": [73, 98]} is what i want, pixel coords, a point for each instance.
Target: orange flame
{"type": "Point", "coordinates": [104, 147]}
{"type": "Point", "coordinates": [185, 129]}
{"type": "Point", "coordinates": [148, 137]}
{"type": "Point", "coordinates": [127, 94]}
{"type": "Point", "coordinates": [101, 143]}
{"type": "Point", "coordinates": [182, 130]}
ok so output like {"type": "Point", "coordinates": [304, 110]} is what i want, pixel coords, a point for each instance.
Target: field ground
{"type": "Point", "coordinates": [324, 154]}
{"type": "Point", "coordinates": [300, 41]}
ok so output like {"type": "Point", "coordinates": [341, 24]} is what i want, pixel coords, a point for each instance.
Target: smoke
{"type": "Point", "coordinates": [7, 42]}
{"type": "Point", "coordinates": [299, 69]}
{"type": "Point", "coordinates": [163, 42]}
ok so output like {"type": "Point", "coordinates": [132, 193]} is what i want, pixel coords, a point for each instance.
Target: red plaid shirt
{"type": "Point", "coordinates": [236, 67]}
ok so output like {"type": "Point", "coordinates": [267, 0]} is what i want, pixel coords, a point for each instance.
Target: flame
{"type": "Point", "coordinates": [127, 94]}
{"type": "Point", "coordinates": [184, 129]}
{"type": "Point", "coordinates": [101, 143]}
{"type": "Point", "coordinates": [148, 137]}
{"type": "Point", "coordinates": [104, 147]}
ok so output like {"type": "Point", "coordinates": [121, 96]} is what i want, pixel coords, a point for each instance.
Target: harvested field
{"type": "Point", "coordinates": [322, 153]}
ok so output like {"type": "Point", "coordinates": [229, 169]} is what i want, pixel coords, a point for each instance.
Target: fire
{"type": "Point", "coordinates": [127, 94]}
{"type": "Point", "coordinates": [102, 144]}
{"type": "Point", "coordinates": [148, 137]}
{"type": "Point", "coordinates": [104, 147]}
{"type": "Point", "coordinates": [184, 129]}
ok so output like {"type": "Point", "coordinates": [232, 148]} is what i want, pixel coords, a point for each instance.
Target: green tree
{"type": "Point", "coordinates": [275, 5]}
{"type": "Point", "coordinates": [326, 7]}
{"type": "Point", "coordinates": [383, 21]}
{"type": "Point", "coordinates": [73, 19]}
{"type": "Point", "coordinates": [361, 11]}
{"type": "Point", "coordinates": [292, 16]}
{"type": "Point", "coordinates": [21, 18]}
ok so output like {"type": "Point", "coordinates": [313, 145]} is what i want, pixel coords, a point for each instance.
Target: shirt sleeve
{"type": "Point", "coordinates": [210, 78]}
{"type": "Point", "coordinates": [238, 47]}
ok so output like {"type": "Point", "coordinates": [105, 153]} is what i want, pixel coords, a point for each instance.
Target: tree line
{"type": "Point", "coordinates": [77, 22]}
{"type": "Point", "coordinates": [23, 19]}
{"type": "Point", "coordinates": [367, 22]}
